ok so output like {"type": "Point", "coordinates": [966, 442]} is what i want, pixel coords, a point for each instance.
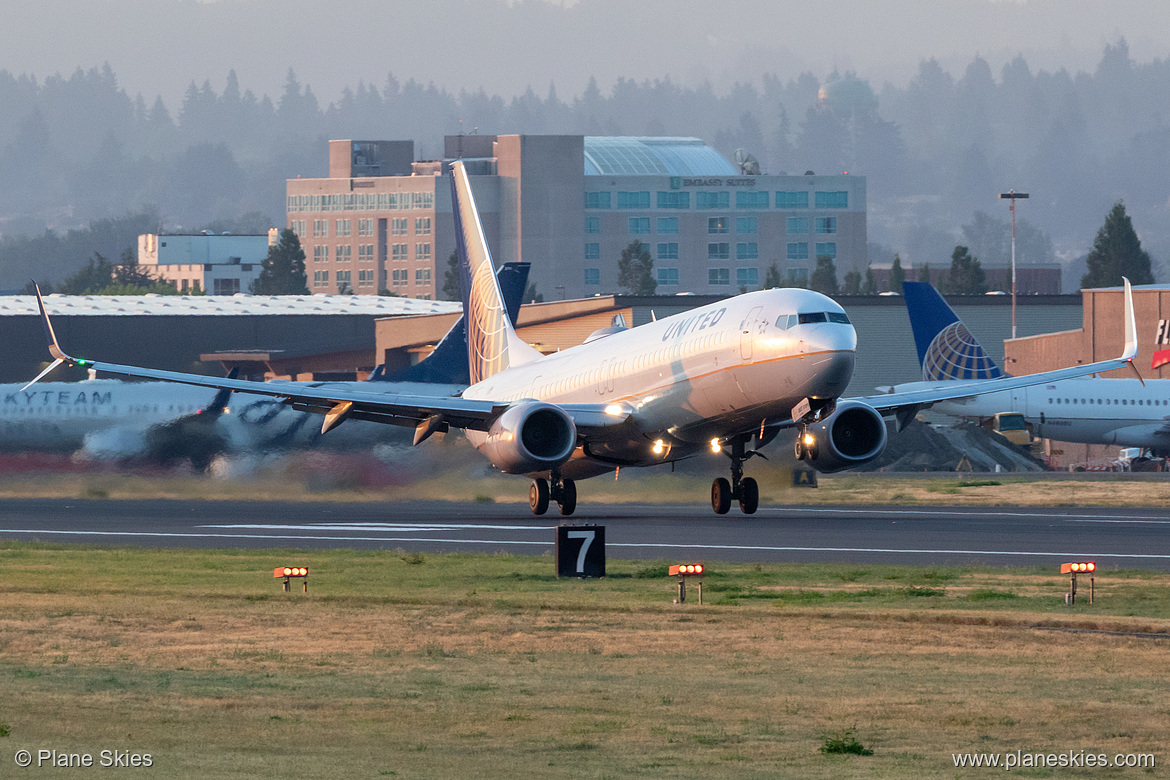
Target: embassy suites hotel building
{"type": "Point", "coordinates": [569, 205]}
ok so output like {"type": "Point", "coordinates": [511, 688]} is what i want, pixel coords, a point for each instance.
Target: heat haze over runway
{"type": "Point", "coordinates": [1116, 538]}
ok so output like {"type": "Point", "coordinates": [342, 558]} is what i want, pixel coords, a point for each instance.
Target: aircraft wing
{"type": "Point", "coordinates": [426, 413]}
{"type": "Point", "coordinates": [907, 403]}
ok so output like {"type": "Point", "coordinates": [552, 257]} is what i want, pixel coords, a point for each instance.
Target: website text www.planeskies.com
{"type": "Point", "coordinates": [1021, 759]}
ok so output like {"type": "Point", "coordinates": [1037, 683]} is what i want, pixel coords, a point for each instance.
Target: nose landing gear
{"type": "Point", "coordinates": [562, 491]}
{"type": "Point", "coordinates": [740, 488]}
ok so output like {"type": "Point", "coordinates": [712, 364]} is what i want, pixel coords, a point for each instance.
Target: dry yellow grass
{"type": "Point", "coordinates": [486, 666]}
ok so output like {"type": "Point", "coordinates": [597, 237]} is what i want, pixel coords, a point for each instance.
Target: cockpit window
{"type": "Point", "coordinates": [835, 316]}
{"type": "Point", "coordinates": [782, 322]}
{"type": "Point", "coordinates": [810, 317]}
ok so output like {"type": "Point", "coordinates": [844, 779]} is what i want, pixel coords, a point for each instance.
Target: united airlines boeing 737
{"type": "Point", "coordinates": [1126, 411]}
{"type": "Point", "coordinates": [727, 376]}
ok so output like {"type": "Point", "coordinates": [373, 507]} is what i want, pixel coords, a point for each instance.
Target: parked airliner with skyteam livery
{"type": "Point", "coordinates": [727, 376]}
{"type": "Point", "coordinates": [1128, 412]}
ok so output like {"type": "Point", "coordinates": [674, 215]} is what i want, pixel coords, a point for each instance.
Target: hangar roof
{"type": "Point", "coordinates": [625, 155]}
{"type": "Point", "coordinates": [222, 305]}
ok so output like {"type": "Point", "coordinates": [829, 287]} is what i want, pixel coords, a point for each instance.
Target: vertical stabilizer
{"type": "Point", "coordinates": [946, 349]}
{"type": "Point", "coordinates": [492, 344]}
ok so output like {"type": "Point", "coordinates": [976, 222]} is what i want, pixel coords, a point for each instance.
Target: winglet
{"type": "Point", "coordinates": [1131, 340]}
{"type": "Point", "coordinates": [54, 348]}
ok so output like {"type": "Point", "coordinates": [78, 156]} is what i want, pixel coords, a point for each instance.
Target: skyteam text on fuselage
{"type": "Point", "coordinates": [728, 376]}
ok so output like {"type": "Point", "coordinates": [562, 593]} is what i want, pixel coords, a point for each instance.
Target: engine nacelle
{"type": "Point", "coordinates": [852, 435]}
{"type": "Point", "coordinates": [530, 436]}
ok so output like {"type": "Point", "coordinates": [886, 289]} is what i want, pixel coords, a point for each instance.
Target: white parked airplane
{"type": "Point", "coordinates": [725, 376]}
{"type": "Point", "coordinates": [1128, 412]}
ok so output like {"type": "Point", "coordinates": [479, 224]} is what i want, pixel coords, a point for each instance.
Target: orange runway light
{"type": "Point", "coordinates": [1087, 566]}
{"type": "Point", "coordinates": [685, 569]}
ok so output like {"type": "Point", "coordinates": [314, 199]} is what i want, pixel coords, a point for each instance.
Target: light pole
{"type": "Point", "coordinates": [1012, 195]}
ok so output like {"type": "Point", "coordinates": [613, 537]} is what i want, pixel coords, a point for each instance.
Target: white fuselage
{"type": "Point", "coordinates": [714, 371]}
{"type": "Point", "coordinates": [1089, 411]}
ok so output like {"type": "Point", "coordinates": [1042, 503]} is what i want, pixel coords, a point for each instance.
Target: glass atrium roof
{"type": "Point", "coordinates": [626, 155]}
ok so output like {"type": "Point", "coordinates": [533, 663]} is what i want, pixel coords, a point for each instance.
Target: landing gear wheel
{"type": "Point", "coordinates": [721, 496]}
{"type": "Point", "coordinates": [749, 496]}
{"type": "Point", "coordinates": [568, 498]}
{"type": "Point", "coordinates": [538, 496]}
{"type": "Point", "coordinates": [800, 453]}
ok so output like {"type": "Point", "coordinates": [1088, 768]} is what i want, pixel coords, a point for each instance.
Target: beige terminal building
{"type": "Point", "coordinates": [569, 204]}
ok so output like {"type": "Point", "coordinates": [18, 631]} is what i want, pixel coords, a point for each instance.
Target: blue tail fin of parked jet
{"type": "Point", "coordinates": [447, 363]}
{"type": "Point", "coordinates": [946, 349]}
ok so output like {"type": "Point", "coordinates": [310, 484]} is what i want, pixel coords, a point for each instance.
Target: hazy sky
{"type": "Point", "coordinates": [160, 46]}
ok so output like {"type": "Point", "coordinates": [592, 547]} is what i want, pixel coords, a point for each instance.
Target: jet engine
{"type": "Point", "coordinates": [530, 436]}
{"type": "Point", "coordinates": [852, 435]}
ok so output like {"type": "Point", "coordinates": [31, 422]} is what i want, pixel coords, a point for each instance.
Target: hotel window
{"type": "Point", "coordinates": [320, 228]}
{"type": "Point", "coordinates": [639, 226]}
{"type": "Point", "coordinates": [798, 250]}
{"type": "Point", "coordinates": [592, 276]}
{"type": "Point", "coordinates": [719, 251]}
{"type": "Point", "coordinates": [719, 276]}
{"type": "Point", "coordinates": [365, 253]}
{"type": "Point", "coordinates": [320, 254]}
{"type": "Point", "coordinates": [633, 200]}
{"type": "Point", "coordinates": [422, 276]}
{"type": "Point", "coordinates": [344, 254]}
{"type": "Point", "coordinates": [751, 200]}
{"type": "Point", "coordinates": [717, 224]}
{"type": "Point", "coordinates": [747, 277]}
{"type": "Point", "coordinates": [298, 226]}
{"type": "Point", "coordinates": [668, 251]}
{"type": "Point", "coordinates": [593, 251]}
{"type": "Point", "coordinates": [398, 227]}
{"type": "Point", "coordinates": [398, 252]}
{"type": "Point", "coordinates": [366, 277]}
{"type": "Point", "coordinates": [713, 200]}
{"type": "Point", "coordinates": [826, 224]}
{"type": "Point", "coordinates": [796, 225]}
{"type": "Point", "coordinates": [225, 286]}
{"type": "Point", "coordinates": [592, 224]}
{"type": "Point", "coordinates": [827, 249]}
{"type": "Point", "coordinates": [747, 250]}
{"type": "Point", "coordinates": [400, 277]}
{"type": "Point", "coordinates": [344, 227]}
{"type": "Point", "coordinates": [797, 277]}
{"type": "Point", "coordinates": [320, 278]}
{"type": "Point", "coordinates": [832, 200]}
{"type": "Point", "coordinates": [667, 277]}
{"type": "Point", "coordinates": [422, 226]}
{"type": "Point", "coordinates": [792, 200]}
{"type": "Point", "coordinates": [674, 200]}
{"type": "Point", "coordinates": [747, 225]}
{"type": "Point", "coordinates": [365, 227]}
{"type": "Point", "coordinates": [422, 251]}
{"type": "Point", "coordinates": [597, 200]}
{"type": "Point", "coordinates": [343, 279]}
{"type": "Point", "coordinates": [668, 225]}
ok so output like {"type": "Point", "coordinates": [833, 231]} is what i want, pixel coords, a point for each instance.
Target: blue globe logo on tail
{"type": "Point", "coordinates": [955, 354]}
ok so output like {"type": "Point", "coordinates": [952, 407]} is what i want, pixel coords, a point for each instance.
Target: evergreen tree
{"type": "Point", "coordinates": [924, 274]}
{"type": "Point", "coordinates": [870, 286]}
{"type": "Point", "coordinates": [824, 276]}
{"type": "Point", "coordinates": [96, 275]}
{"type": "Point", "coordinates": [531, 295]}
{"type": "Point", "coordinates": [966, 274]}
{"type": "Point", "coordinates": [897, 275]}
{"type": "Point", "coordinates": [636, 270]}
{"type": "Point", "coordinates": [1117, 252]}
{"type": "Point", "coordinates": [772, 278]}
{"type": "Point", "coordinates": [283, 271]}
{"type": "Point", "coordinates": [852, 285]}
{"type": "Point", "coordinates": [452, 288]}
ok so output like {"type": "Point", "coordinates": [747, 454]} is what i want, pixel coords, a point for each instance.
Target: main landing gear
{"type": "Point", "coordinates": [740, 488]}
{"type": "Point", "coordinates": [563, 491]}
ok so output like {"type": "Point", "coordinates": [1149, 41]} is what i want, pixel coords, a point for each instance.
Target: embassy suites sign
{"type": "Point", "coordinates": [738, 182]}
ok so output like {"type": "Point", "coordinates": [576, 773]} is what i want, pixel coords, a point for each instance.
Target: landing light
{"type": "Point", "coordinates": [809, 440]}
{"type": "Point", "coordinates": [659, 447]}
{"type": "Point", "coordinates": [614, 410]}
{"type": "Point", "coordinates": [716, 446]}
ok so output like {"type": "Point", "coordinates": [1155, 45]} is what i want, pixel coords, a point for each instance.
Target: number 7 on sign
{"type": "Point", "coordinates": [588, 537]}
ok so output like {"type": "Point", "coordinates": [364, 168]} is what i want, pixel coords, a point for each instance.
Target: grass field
{"type": "Point", "coordinates": [412, 665]}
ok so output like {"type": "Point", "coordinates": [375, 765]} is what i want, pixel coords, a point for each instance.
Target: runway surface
{"type": "Point", "coordinates": [1115, 538]}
